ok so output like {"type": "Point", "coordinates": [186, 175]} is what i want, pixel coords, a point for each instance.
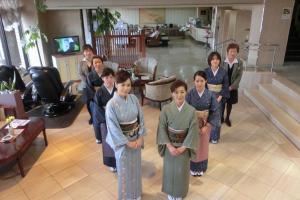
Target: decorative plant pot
{"type": "Point", "coordinates": [13, 99]}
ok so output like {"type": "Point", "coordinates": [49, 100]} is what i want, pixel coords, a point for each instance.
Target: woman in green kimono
{"type": "Point", "coordinates": [177, 139]}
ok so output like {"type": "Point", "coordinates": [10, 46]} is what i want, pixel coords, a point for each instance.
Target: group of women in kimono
{"type": "Point", "coordinates": [186, 125]}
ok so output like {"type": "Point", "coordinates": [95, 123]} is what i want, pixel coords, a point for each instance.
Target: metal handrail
{"type": "Point", "coordinates": [247, 46]}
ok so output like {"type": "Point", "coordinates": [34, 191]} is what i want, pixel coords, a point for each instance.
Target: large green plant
{"type": "Point", "coordinates": [8, 86]}
{"type": "Point", "coordinates": [40, 5]}
{"type": "Point", "coordinates": [105, 20]}
{"type": "Point", "coordinates": [30, 39]}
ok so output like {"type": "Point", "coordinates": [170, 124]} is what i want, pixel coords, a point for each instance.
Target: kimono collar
{"type": "Point", "coordinates": [120, 98]}
{"type": "Point", "coordinates": [110, 91]}
{"type": "Point", "coordinates": [215, 72]}
{"type": "Point", "coordinates": [200, 93]}
{"type": "Point", "coordinates": [180, 108]}
{"type": "Point", "coordinates": [235, 61]}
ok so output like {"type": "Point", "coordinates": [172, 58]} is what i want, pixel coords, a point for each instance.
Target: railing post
{"type": "Point", "coordinates": [273, 59]}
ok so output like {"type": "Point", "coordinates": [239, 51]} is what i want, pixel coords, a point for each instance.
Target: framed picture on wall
{"type": "Point", "coordinates": [152, 15]}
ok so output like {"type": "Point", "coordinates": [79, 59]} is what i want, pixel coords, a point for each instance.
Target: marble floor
{"type": "Point", "coordinates": [252, 161]}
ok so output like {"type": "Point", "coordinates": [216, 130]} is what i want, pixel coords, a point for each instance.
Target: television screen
{"type": "Point", "coordinates": [65, 45]}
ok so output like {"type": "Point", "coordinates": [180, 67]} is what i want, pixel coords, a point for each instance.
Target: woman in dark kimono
{"type": "Point", "coordinates": [93, 82]}
{"type": "Point", "coordinates": [102, 96]}
{"type": "Point", "coordinates": [177, 139]}
{"type": "Point", "coordinates": [217, 82]}
{"type": "Point", "coordinates": [207, 110]}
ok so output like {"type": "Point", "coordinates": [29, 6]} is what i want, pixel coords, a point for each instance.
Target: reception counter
{"type": "Point", "coordinates": [200, 34]}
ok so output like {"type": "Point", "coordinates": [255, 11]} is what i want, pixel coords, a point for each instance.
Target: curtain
{"type": "Point", "coordinates": [10, 11]}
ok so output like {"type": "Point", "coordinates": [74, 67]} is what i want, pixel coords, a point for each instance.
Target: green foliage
{"type": "Point", "coordinates": [31, 36]}
{"type": "Point", "coordinates": [10, 86]}
{"type": "Point", "coordinates": [40, 5]}
{"type": "Point", "coordinates": [105, 20]}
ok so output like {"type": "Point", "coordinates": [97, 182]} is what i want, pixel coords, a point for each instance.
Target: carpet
{"type": "Point", "coordinates": [62, 121]}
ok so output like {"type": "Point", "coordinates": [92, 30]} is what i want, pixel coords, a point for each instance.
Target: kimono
{"type": "Point", "coordinates": [101, 98]}
{"type": "Point", "coordinates": [92, 82]}
{"type": "Point", "coordinates": [119, 113]}
{"type": "Point", "coordinates": [218, 84]}
{"type": "Point", "coordinates": [207, 103]}
{"type": "Point", "coordinates": [181, 129]}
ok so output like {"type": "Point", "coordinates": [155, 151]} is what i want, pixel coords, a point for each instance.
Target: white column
{"type": "Point", "coordinates": [255, 31]}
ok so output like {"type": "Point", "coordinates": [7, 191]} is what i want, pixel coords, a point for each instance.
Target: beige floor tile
{"type": "Point", "coordinates": [278, 195]}
{"type": "Point", "coordinates": [68, 144]}
{"type": "Point", "coordinates": [265, 174]}
{"type": "Point", "coordinates": [208, 187]}
{"type": "Point", "coordinates": [275, 162]}
{"type": "Point", "coordinates": [62, 195]}
{"type": "Point", "coordinates": [252, 187]}
{"type": "Point", "coordinates": [20, 195]}
{"type": "Point", "coordinates": [104, 177]}
{"type": "Point", "coordinates": [79, 153]}
{"type": "Point", "coordinates": [238, 162]}
{"type": "Point", "coordinates": [57, 164]}
{"type": "Point", "coordinates": [233, 194]}
{"type": "Point", "coordinates": [34, 175]}
{"type": "Point", "coordinates": [103, 195]}
{"type": "Point", "coordinates": [226, 175]}
{"type": "Point", "coordinates": [290, 185]}
{"type": "Point", "coordinates": [8, 187]}
{"type": "Point", "coordinates": [69, 176]}
{"type": "Point", "coordinates": [42, 189]}
{"type": "Point", "coordinates": [84, 188]}
{"type": "Point", "coordinates": [91, 164]}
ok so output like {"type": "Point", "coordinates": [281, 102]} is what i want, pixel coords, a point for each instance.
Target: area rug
{"type": "Point", "coordinates": [62, 121]}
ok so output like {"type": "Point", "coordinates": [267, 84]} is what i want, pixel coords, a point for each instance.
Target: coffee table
{"type": "Point", "coordinates": [14, 150]}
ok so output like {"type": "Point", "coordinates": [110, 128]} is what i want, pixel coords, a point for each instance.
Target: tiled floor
{"type": "Point", "coordinates": [252, 161]}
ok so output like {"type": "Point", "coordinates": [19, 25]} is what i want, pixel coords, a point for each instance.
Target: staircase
{"type": "Point", "coordinates": [293, 49]}
{"type": "Point", "coordinates": [279, 100]}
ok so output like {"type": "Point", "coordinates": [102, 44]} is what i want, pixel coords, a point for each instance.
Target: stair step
{"type": "Point", "coordinates": [286, 124]}
{"type": "Point", "coordinates": [282, 99]}
{"type": "Point", "coordinates": [288, 86]}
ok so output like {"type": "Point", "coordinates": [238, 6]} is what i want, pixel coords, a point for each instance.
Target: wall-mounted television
{"type": "Point", "coordinates": [66, 44]}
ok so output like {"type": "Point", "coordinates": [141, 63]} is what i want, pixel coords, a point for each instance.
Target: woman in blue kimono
{"type": "Point", "coordinates": [217, 82]}
{"type": "Point", "coordinates": [125, 132]}
{"type": "Point", "coordinates": [207, 110]}
{"type": "Point", "coordinates": [102, 96]}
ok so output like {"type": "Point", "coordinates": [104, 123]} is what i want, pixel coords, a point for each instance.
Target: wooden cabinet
{"type": "Point", "coordinates": [67, 65]}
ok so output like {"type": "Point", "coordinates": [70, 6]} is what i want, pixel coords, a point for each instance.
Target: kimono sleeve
{"type": "Point", "coordinates": [98, 110]}
{"type": "Point", "coordinates": [162, 136]}
{"type": "Point", "coordinates": [188, 97]}
{"type": "Point", "coordinates": [115, 137]}
{"type": "Point", "coordinates": [214, 114]}
{"type": "Point", "coordinates": [225, 87]}
{"type": "Point", "coordinates": [192, 138]}
{"type": "Point", "coordinates": [142, 129]}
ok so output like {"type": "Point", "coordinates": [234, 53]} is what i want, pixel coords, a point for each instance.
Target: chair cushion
{"type": "Point", "coordinates": [163, 81]}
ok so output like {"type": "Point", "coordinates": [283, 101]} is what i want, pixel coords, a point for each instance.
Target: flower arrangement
{"type": "Point", "coordinates": [10, 128]}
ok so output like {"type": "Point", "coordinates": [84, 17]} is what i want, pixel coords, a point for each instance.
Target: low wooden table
{"type": "Point", "coordinates": [15, 149]}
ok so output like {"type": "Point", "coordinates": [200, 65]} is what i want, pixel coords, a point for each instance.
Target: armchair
{"type": "Point", "coordinates": [114, 66]}
{"type": "Point", "coordinates": [56, 96]}
{"type": "Point", "coordinates": [158, 91]}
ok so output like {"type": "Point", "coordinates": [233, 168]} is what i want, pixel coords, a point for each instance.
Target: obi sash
{"type": "Point", "coordinates": [202, 117]}
{"type": "Point", "coordinates": [176, 136]}
{"type": "Point", "coordinates": [214, 88]}
{"type": "Point", "coordinates": [130, 129]}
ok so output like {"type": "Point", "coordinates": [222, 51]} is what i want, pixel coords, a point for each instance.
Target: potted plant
{"type": "Point", "coordinates": [105, 20]}
{"type": "Point", "coordinates": [11, 98]}
{"type": "Point", "coordinates": [30, 39]}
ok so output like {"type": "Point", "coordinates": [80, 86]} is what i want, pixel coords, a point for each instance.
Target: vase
{"type": "Point", "coordinates": [10, 130]}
